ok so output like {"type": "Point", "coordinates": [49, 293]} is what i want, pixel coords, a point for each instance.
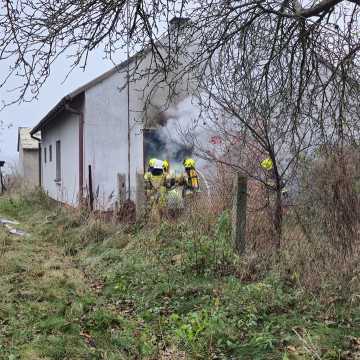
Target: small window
{"type": "Point", "coordinates": [45, 159]}
{"type": "Point", "coordinates": [58, 161]}
{"type": "Point", "coordinates": [50, 153]}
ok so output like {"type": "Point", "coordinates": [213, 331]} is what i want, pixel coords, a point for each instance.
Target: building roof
{"type": "Point", "coordinates": [61, 105]}
{"type": "Point", "coordinates": [25, 139]}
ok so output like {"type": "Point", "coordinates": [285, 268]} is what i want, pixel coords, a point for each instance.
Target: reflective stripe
{"type": "Point", "coordinates": [193, 180]}
{"type": "Point", "coordinates": [158, 164]}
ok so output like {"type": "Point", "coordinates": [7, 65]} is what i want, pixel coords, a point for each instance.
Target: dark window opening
{"type": "Point", "coordinates": [45, 158]}
{"type": "Point", "coordinates": [58, 161]}
{"type": "Point", "coordinates": [50, 153]}
{"type": "Point", "coordinates": [157, 144]}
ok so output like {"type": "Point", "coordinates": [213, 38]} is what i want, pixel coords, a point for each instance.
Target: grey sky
{"type": "Point", "coordinates": [28, 114]}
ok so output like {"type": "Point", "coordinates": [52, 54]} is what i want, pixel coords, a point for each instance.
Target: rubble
{"type": "Point", "coordinates": [6, 221]}
{"type": "Point", "coordinates": [12, 230]}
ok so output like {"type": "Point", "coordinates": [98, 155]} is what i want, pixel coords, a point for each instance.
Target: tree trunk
{"type": "Point", "coordinates": [278, 219]}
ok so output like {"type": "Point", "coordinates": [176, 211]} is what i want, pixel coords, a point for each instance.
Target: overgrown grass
{"type": "Point", "coordinates": [81, 289]}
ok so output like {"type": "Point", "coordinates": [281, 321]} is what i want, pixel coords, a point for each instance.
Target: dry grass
{"type": "Point", "coordinates": [81, 286]}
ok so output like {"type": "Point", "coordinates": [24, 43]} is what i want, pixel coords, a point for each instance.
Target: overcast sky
{"type": "Point", "coordinates": [29, 114]}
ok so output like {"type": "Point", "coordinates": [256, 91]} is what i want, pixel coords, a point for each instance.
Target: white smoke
{"type": "Point", "coordinates": [185, 132]}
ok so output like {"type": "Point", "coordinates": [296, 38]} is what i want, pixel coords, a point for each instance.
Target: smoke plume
{"type": "Point", "coordinates": [177, 135]}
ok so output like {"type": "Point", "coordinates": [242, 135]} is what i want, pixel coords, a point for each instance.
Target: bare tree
{"type": "Point", "coordinates": [255, 123]}
{"type": "Point", "coordinates": [284, 88]}
{"type": "Point", "coordinates": [35, 32]}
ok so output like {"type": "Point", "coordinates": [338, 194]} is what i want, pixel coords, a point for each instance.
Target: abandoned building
{"type": "Point", "coordinates": [28, 149]}
{"type": "Point", "coordinates": [96, 134]}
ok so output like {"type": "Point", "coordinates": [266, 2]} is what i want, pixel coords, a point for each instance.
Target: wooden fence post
{"type": "Point", "coordinates": [91, 194]}
{"type": "Point", "coordinates": [239, 213]}
{"type": "Point", "coordinates": [121, 189]}
{"type": "Point", "coordinates": [140, 196]}
{"type": "Point", "coordinates": [1, 183]}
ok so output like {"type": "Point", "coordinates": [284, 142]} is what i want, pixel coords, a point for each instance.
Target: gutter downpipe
{"type": "Point", "coordinates": [39, 141]}
{"type": "Point", "coordinates": [128, 99]}
{"type": "Point", "coordinates": [129, 135]}
{"type": "Point", "coordinates": [81, 149]}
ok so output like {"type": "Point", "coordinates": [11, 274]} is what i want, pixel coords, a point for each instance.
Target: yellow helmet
{"type": "Point", "coordinates": [166, 165]}
{"type": "Point", "coordinates": [152, 162]}
{"type": "Point", "coordinates": [267, 164]}
{"type": "Point", "coordinates": [189, 163]}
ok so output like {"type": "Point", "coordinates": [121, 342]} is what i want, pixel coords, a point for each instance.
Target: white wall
{"type": "Point", "coordinates": [106, 138]}
{"type": "Point", "coordinates": [66, 129]}
{"type": "Point", "coordinates": [106, 130]}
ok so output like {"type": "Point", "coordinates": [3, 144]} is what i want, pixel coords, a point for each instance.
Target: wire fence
{"type": "Point", "coordinates": [322, 213]}
{"type": "Point", "coordinates": [328, 215]}
{"type": "Point", "coordinates": [320, 228]}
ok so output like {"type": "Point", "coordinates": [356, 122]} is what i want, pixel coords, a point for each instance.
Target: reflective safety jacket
{"type": "Point", "coordinates": [192, 179]}
{"type": "Point", "coordinates": [155, 187]}
{"type": "Point", "coordinates": [154, 182]}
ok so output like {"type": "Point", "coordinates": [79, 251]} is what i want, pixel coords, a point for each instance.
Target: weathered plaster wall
{"type": "Point", "coordinates": [21, 161]}
{"type": "Point", "coordinates": [106, 129]}
{"type": "Point", "coordinates": [106, 139]}
{"type": "Point", "coordinates": [30, 167]}
{"type": "Point", "coordinates": [65, 129]}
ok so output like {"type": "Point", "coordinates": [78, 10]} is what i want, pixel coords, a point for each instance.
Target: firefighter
{"type": "Point", "coordinates": [147, 178]}
{"type": "Point", "coordinates": [166, 166]}
{"type": "Point", "coordinates": [169, 178]}
{"type": "Point", "coordinates": [189, 181]}
{"type": "Point", "coordinates": [174, 198]}
{"type": "Point", "coordinates": [155, 188]}
{"type": "Point", "coordinates": [190, 178]}
{"type": "Point", "coordinates": [268, 166]}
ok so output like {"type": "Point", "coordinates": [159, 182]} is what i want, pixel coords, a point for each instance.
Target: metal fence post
{"type": "Point", "coordinates": [239, 213]}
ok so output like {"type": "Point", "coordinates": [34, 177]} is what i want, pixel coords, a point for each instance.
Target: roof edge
{"type": "Point", "coordinates": [57, 108]}
{"type": "Point", "coordinates": [25, 141]}
{"type": "Point", "coordinates": [82, 89]}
